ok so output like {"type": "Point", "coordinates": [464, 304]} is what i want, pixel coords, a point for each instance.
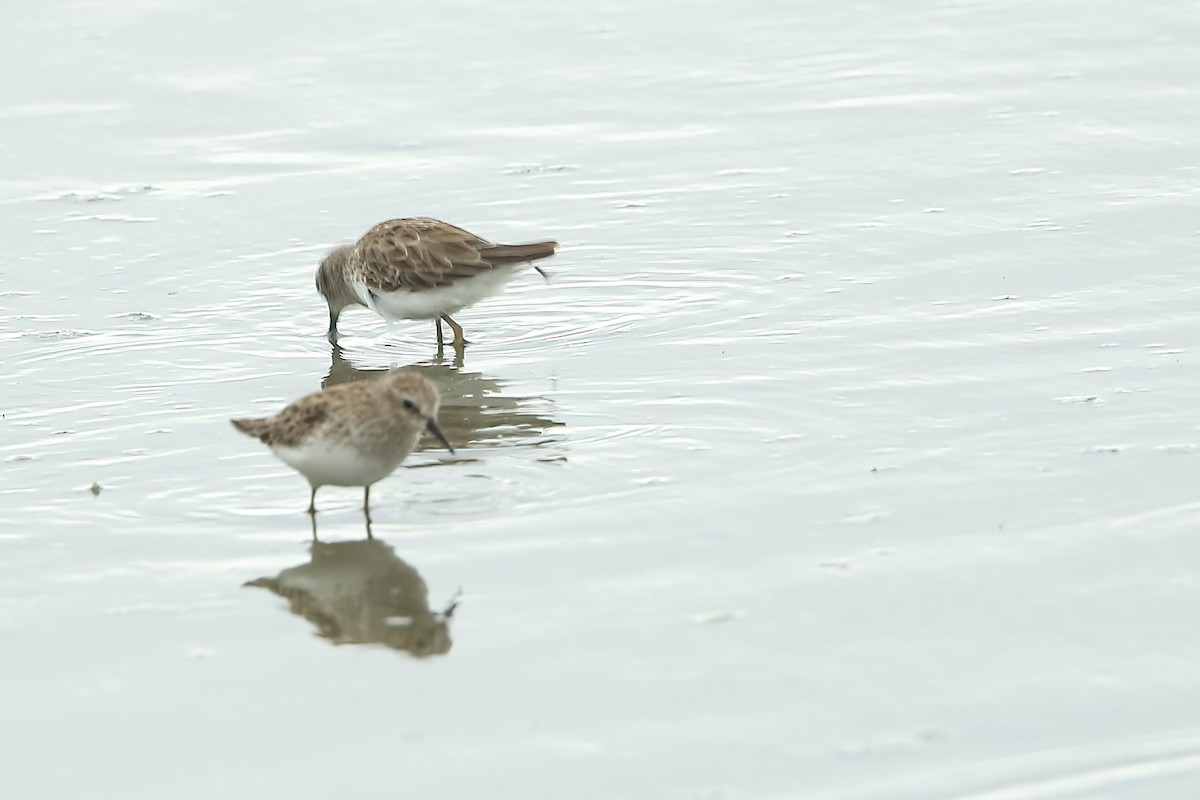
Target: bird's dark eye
{"type": "Point", "coordinates": [408, 404]}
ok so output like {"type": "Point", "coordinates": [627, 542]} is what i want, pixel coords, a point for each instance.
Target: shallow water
{"type": "Point", "coordinates": [846, 454]}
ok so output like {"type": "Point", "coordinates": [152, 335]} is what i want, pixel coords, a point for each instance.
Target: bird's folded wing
{"type": "Point", "coordinates": [296, 422]}
{"type": "Point", "coordinates": [417, 254]}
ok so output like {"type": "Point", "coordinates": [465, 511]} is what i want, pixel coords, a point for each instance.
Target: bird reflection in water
{"type": "Point", "coordinates": [475, 411]}
{"type": "Point", "coordinates": [363, 593]}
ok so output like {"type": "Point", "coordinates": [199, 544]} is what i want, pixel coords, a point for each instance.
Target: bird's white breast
{"type": "Point", "coordinates": [327, 463]}
{"type": "Point", "coordinates": [432, 303]}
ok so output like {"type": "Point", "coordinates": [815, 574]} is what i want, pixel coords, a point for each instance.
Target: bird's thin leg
{"type": "Point", "coordinates": [312, 501]}
{"type": "Point", "coordinates": [459, 340]}
{"type": "Point", "coordinates": [313, 517]}
{"type": "Point", "coordinates": [367, 504]}
{"type": "Point", "coordinates": [441, 338]}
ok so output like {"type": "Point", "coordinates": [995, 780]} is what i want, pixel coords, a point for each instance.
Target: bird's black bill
{"type": "Point", "coordinates": [433, 428]}
{"type": "Point", "coordinates": [453, 604]}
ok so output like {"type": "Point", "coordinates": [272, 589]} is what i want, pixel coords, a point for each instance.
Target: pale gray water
{"type": "Point", "coordinates": [848, 454]}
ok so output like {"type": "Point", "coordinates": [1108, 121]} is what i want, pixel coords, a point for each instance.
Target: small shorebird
{"type": "Point", "coordinates": [352, 434]}
{"type": "Point", "coordinates": [420, 268]}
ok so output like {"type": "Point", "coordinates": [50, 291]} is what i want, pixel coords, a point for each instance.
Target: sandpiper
{"type": "Point", "coordinates": [352, 434]}
{"type": "Point", "coordinates": [421, 268]}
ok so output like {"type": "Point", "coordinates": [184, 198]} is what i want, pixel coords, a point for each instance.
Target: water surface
{"type": "Point", "coordinates": [846, 454]}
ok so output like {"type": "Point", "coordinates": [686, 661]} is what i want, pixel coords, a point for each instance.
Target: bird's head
{"type": "Point", "coordinates": [333, 285]}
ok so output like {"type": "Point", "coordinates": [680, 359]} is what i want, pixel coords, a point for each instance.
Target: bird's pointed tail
{"type": "Point", "coordinates": [251, 427]}
{"type": "Point", "coordinates": [516, 253]}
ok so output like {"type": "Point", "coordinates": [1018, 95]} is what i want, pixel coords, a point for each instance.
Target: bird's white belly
{"type": "Point", "coordinates": [328, 464]}
{"type": "Point", "coordinates": [432, 303]}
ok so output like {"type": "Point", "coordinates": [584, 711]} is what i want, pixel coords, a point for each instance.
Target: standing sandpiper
{"type": "Point", "coordinates": [420, 268]}
{"type": "Point", "coordinates": [352, 434]}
